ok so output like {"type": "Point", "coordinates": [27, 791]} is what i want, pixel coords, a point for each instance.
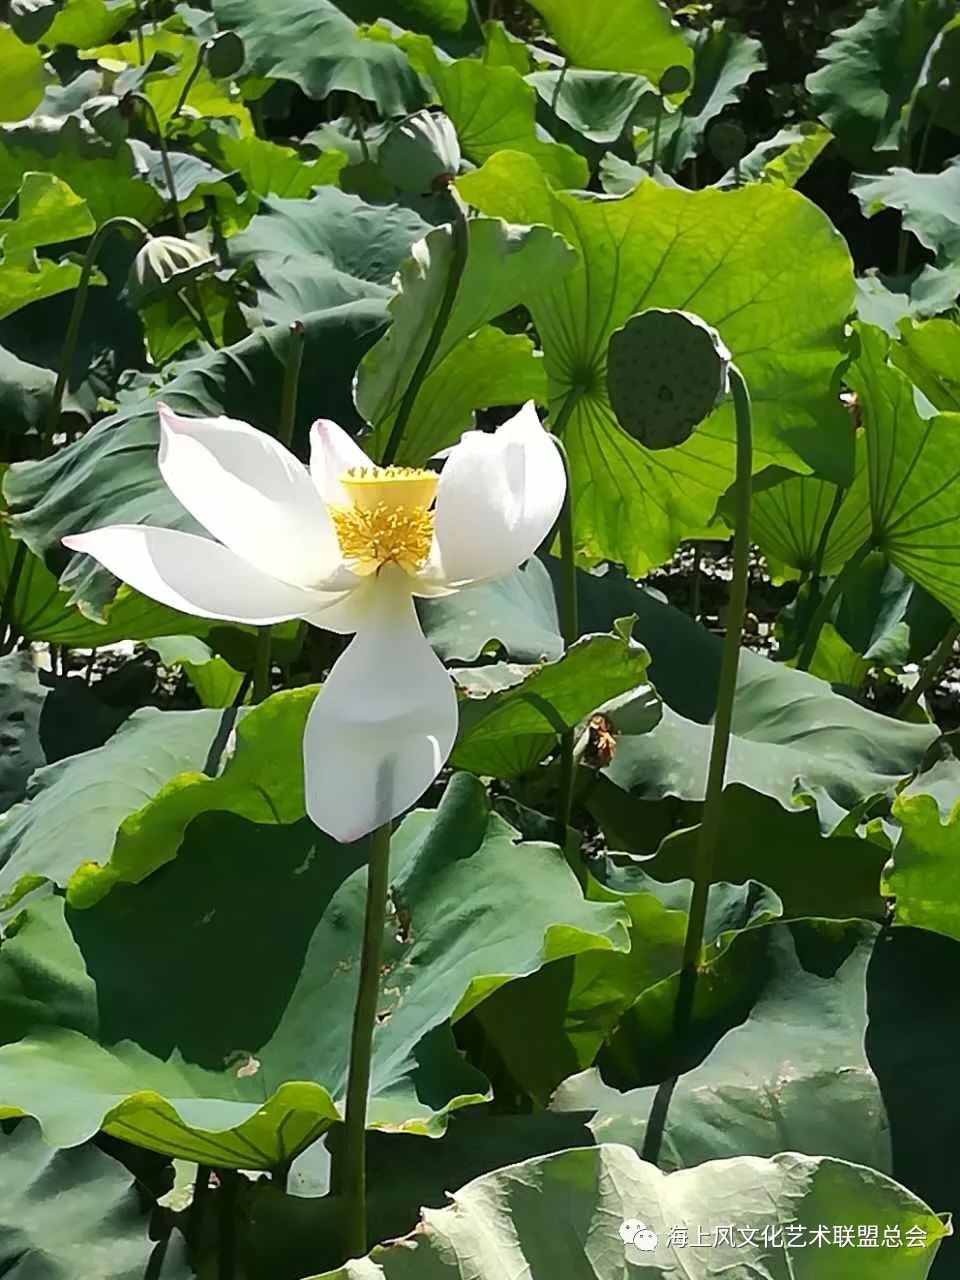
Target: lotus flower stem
{"type": "Point", "coordinates": [657, 123]}
{"type": "Point", "coordinates": [558, 87]}
{"type": "Point", "coordinates": [816, 569]}
{"type": "Point", "coordinates": [709, 833]}
{"type": "Point", "coordinates": [151, 111]}
{"type": "Point", "coordinates": [825, 607]}
{"type": "Point", "coordinates": [353, 1185]}
{"type": "Point", "coordinates": [191, 296]}
{"type": "Point", "coordinates": [68, 351]}
{"type": "Point", "coordinates": [190, 80]}
{"type": "Point", "coordinates": [931, 670]}
{"type": "Point", "coordinates": [229, 1181]}
{"type": "Point", "coordinates": [195, 311]}
{"type": "Point", "coordinates": [459, 249]}
{"type": "Point", "coordinates": [569, 613]}
{"type": "Point", "coordinates": [288, 413]}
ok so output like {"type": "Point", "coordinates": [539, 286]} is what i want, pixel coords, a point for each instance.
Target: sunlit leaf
{"type": "Point", "coordinates": [637, 36]}
{"type": "Point", "coordinates": [505, 266]}
{"type": "Point", "coordinates": [711, 252]}
{"type": "Point", "coordinates": [513, 1213]}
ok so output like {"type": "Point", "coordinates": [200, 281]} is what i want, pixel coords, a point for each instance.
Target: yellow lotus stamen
{"type": "Point", "coordinates": [389, 520]}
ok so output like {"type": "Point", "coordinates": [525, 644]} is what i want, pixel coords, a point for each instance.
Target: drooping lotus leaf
{"type": "Point", "coordinates": [510, 731]}
{"type": "Point", "coordinates": [929, 354]}
{"type": "Point", "coordinates": [76, 1212]}
{"type": "Point", "coordinates": [314, 44]}
{"type": "Point", "coordinates": [511, 1217]}
{"type": "Point", "coordinates": [123, 1007]}
{"type": "Point", "coordinates": [871, 71]}
{"type": "Point", "coordinates": [555, 1022]}
{"type": "Point", "coordinates": [795, 1075]}
{"type": "Point", "coordinates": [923, 868]}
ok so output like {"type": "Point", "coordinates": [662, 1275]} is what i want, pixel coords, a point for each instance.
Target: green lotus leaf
{"type": "Point", "coordinates": [555, 1022]}
{"type": "Point", "coordinates": [249, 1083]}
{"type": "Point", "coordinates": [795, 1075]}
{"type": "Point", "coordinates": [473, 365]}
{"type": "Point", "coordinates": [25, 76]}
{"type": "Point", "coordinates": [510, 731]}
{"type": "Point", "coordinates": [636, 36]}
{"type": "Point", "coordinates": [929, 354]}
{"type": "Point", "coordinates": [924, 862]}
{"type": "Point", "coordinates": [513, 1213]}
{"type": "Point", "coordinates": [76, 1210]}
{"type": "Point", "coordinates": [713, 253]}
{"type": "Point", "coordinates": [871, 71]}
{"type": "Point", "coordinates": [314, 44]}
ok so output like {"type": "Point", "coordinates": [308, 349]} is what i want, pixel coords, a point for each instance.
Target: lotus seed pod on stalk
{"type": "Point", "coordinates": [665, 372]}
{"type": "Point", "coordinates": [421, 153]}
{"type": "Point", "coordinates": [163, 266]}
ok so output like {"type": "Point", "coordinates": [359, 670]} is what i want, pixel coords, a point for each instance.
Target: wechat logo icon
{"type": "Point", "coordinates": [635, 1232]}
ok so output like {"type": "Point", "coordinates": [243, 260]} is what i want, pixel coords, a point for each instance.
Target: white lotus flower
{"type": "Point", "coordinates": [346, 546]}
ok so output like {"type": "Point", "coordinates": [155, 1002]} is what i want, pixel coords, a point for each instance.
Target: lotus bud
{"type": "Point", "coordinates": [421, 153]}
{"type": "Point", "coordinates": [163, 266]}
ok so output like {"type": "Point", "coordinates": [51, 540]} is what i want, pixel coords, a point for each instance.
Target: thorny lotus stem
{"type": "Point", "coordinates": [141, 51]}
{"type": "Point", "coordinates": [557, 88]}
{"type": "Point", "coordinates": [155, 125]}
{"type": "Point", "coordinates": [459, 249]}
{"type": "Point", "coordinates": [228, 720]}
{"type": "Point", "coordinates": [288, 413]}
{"type": "Point", "coordinates": [930, 672]}
{"type": "Point", "coordinates": [194, 310]}
{"type": "Point", "coordinates": [658, 120]}
{"type": "Point", "coordinates": [68, 351]}
{"type": "Point", "coordinates": [229, 1181]}
{"type": "Point", "coordinates": [354, 1149]}
{"type": "Point", "coordinates": [569, 620]}
{"type": "Point", "coordinates": [52, 417]}
{"type": "Point", "coordinates": [710, 823]}
{"type": "Point", "coordinates": [190, 80]}
{"type": "Point", "coordinates": [189, 297]}
{"type": "Point", "coordinates": [825, 607]}
{"type": "Point", "coordinates": [816, 569]}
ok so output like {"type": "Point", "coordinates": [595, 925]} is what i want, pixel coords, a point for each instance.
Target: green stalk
{"type": "Point", "coordinates": [656, 135]}
{"type": "Point", "coordinates": [931, 670]}
{"type": "Point", "coordinates": [52, 417]}
{"type": "Point", "coordinates": [141, 50]}
{"type": "Point", "coordinates": [229, 1181]}
{"type": "Point", "coordinates": [68, 351]}
{"type": "Point", "coordinates": [825, 607]}
{"type": "Point", "coordinates": [816, 569]}
{"type": "Point", "coordinates": [555, 97]}
{"type": "Point", "coordinates": [354, 1150]}
{"type": "Point", "coordinates": [190, 80]}
{"type": "Point", "coordinates": [189, 297]}
{"type": "Point", "coordinates": [196, 313]}
{"type": "Point", "coordinates": [157, 128]}
{"type": "Point", "coordinates": [569, 619]}
{"type": "Point", "coordinates": [709, 832]}
{"type": "Point", "coordinates": [459, 249]}
{"type": "Point", "coordinates": [288, 414]}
